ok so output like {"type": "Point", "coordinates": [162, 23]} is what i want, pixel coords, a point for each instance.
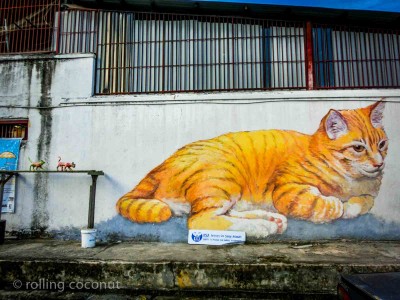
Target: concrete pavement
{"type": "Point", "coordinates": [164, 270]}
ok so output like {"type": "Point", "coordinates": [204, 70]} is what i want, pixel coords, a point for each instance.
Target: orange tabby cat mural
{"type": "Point", "coordinates": [252, 181]}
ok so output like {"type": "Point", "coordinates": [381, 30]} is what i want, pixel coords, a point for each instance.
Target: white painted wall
{"type": "Point", "coordinates": [26, 83]}
{"type": "Point", "coordinates": [127, 136]}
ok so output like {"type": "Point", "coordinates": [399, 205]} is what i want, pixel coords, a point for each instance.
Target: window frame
{"type": "Point", "coordinates": [20, 121]}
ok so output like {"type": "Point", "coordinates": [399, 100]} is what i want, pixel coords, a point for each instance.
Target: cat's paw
{"type": "Point", "coordinates": [327, 209]}
{"type": "Point", "coordinates": [279, 219]}
{"type": "Point", "coordinates": [258, 228]}
{"type": "Point", "coordinates": [264, 228]}
{"type": "Point", "coordinates": [351, 210]}
{"type": "Point", "coordinates": [357, 206]}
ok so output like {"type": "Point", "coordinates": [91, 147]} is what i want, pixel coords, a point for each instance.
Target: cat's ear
{"type": "Point", "coordinates": [335, 124]}
{"type": "Point", "coordinates": [376, 114]}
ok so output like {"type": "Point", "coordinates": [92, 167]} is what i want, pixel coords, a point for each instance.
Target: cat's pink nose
{"type": "Point", "coordinates": [378, 165]}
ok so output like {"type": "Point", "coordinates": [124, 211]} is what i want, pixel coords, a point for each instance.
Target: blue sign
{"type": "Point", "coordinates": [9, 153]}
{"type": "Point", "coordinates": [216, 237]}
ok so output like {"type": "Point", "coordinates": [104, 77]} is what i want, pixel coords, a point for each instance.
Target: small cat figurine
{"type": "Point", "coordinates": [36, 165]}
{"type": "Point", "coordinates": [65, 166]}
{"type": "Point", "coordinates": [252, 181]}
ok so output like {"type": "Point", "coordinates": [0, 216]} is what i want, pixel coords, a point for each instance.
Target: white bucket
{"type": "Point", "coordinates": [88, 238]}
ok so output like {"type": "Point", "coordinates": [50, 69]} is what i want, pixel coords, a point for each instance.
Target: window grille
{"type": "Point", "coordinates": [14, 128]}
{"type": "Point", "coordinates": [346, 57]}
{"type": "Point", "coordinates": [139, 52]}
{"type": "Point", "coordinates": [27, 25]}
{"type": "Point", "coordinates": [152, 52]}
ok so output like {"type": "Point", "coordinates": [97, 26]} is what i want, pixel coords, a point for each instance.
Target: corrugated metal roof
{"type": "Point", "coordinates": [370, 5]}
{"type": "Point", "coordinates": [258, 8]}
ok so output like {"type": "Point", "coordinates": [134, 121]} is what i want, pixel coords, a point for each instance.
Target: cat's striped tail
{"type": "Point", "coordinates": [143, 210]}
{"type": "Point", "coordinates": [138, 206]}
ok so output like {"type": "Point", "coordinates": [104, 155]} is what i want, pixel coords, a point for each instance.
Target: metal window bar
{"type": "Point", "coordinates": [14, 129]}
{"type": "Point", "coordinates": [155, 52]}
{"type": "Point", "coordinates": [354, 57]}
{"type": "Point", "coordinates": [27, 25]}
{"type": "Point", "coordinates": [78, 31]}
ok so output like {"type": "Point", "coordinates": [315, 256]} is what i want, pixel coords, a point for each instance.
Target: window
{"type": "Point", "coordinates": [14, 128]}
{"type": "Point", "coordinates": [148, 52]}
{"type": "Point", "coordinates": [27, 25]}
{"type": "Point", "coordinates": [286, 57]}
{"type": "Point", "coordinates": [153, 52]}
{"type": "Point", "coordinates": [356, 57]}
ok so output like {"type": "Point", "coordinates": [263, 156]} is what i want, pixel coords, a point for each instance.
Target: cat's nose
{"type": "Point", "coordinates": [378, 165]}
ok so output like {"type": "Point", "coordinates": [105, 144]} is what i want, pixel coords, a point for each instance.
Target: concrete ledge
{"type": "Point", "coordinates": [261, 268]}
{"type": "Point", "coordinates": [44, 56]}
{"type": "Point", "coordinates": [240, 97]}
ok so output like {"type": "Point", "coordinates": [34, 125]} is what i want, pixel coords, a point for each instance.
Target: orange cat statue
{"type": "Point", "coordinates": [252, 181]}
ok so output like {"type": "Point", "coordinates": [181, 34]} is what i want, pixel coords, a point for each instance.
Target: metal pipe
{"type": "Point", "coordinates": [309, 57]}
{"type": "Point", "coordinates": [92, 201]}
{"type": "Point", "coordinates": [2, 183]}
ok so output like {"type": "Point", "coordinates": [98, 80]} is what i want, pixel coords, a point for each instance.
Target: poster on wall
{"type": "Point", "coordinates": [255, 181]}
{"type": "Point", "coordinates": [9, 153]}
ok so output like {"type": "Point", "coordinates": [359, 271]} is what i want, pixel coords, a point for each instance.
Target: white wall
{"type": "Point", "coordinates": [127, 136]}
{"type": "Point", "coordinates": [29, 85]}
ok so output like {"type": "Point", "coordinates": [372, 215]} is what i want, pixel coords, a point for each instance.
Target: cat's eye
{"type": "Point", "coordinates": [382, 145]}
{"type": "Point", "coordinates": [358, 148]}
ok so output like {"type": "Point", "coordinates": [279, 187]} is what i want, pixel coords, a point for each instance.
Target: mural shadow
{"type": "Point", "coordinates": [367, 227]}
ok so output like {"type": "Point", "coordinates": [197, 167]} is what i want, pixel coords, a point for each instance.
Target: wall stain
{"type": "Point", "coordinates": [40, 215]}
{"type": "Point", "coordinates": [29, 68]}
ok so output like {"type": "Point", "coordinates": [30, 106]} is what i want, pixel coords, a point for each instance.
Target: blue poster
{"type": "Point", "coordinates": [9, 153]}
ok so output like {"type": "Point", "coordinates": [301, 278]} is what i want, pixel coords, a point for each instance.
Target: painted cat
{"type": "Point", "coordinates": [250, 181]}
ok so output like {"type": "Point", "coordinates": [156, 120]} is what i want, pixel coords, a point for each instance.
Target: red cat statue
{"type": "Point", "coordinates": [65, 166]}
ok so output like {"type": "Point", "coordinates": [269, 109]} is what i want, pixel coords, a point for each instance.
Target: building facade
{"type": "Point", "coordinates": [121, 90]}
